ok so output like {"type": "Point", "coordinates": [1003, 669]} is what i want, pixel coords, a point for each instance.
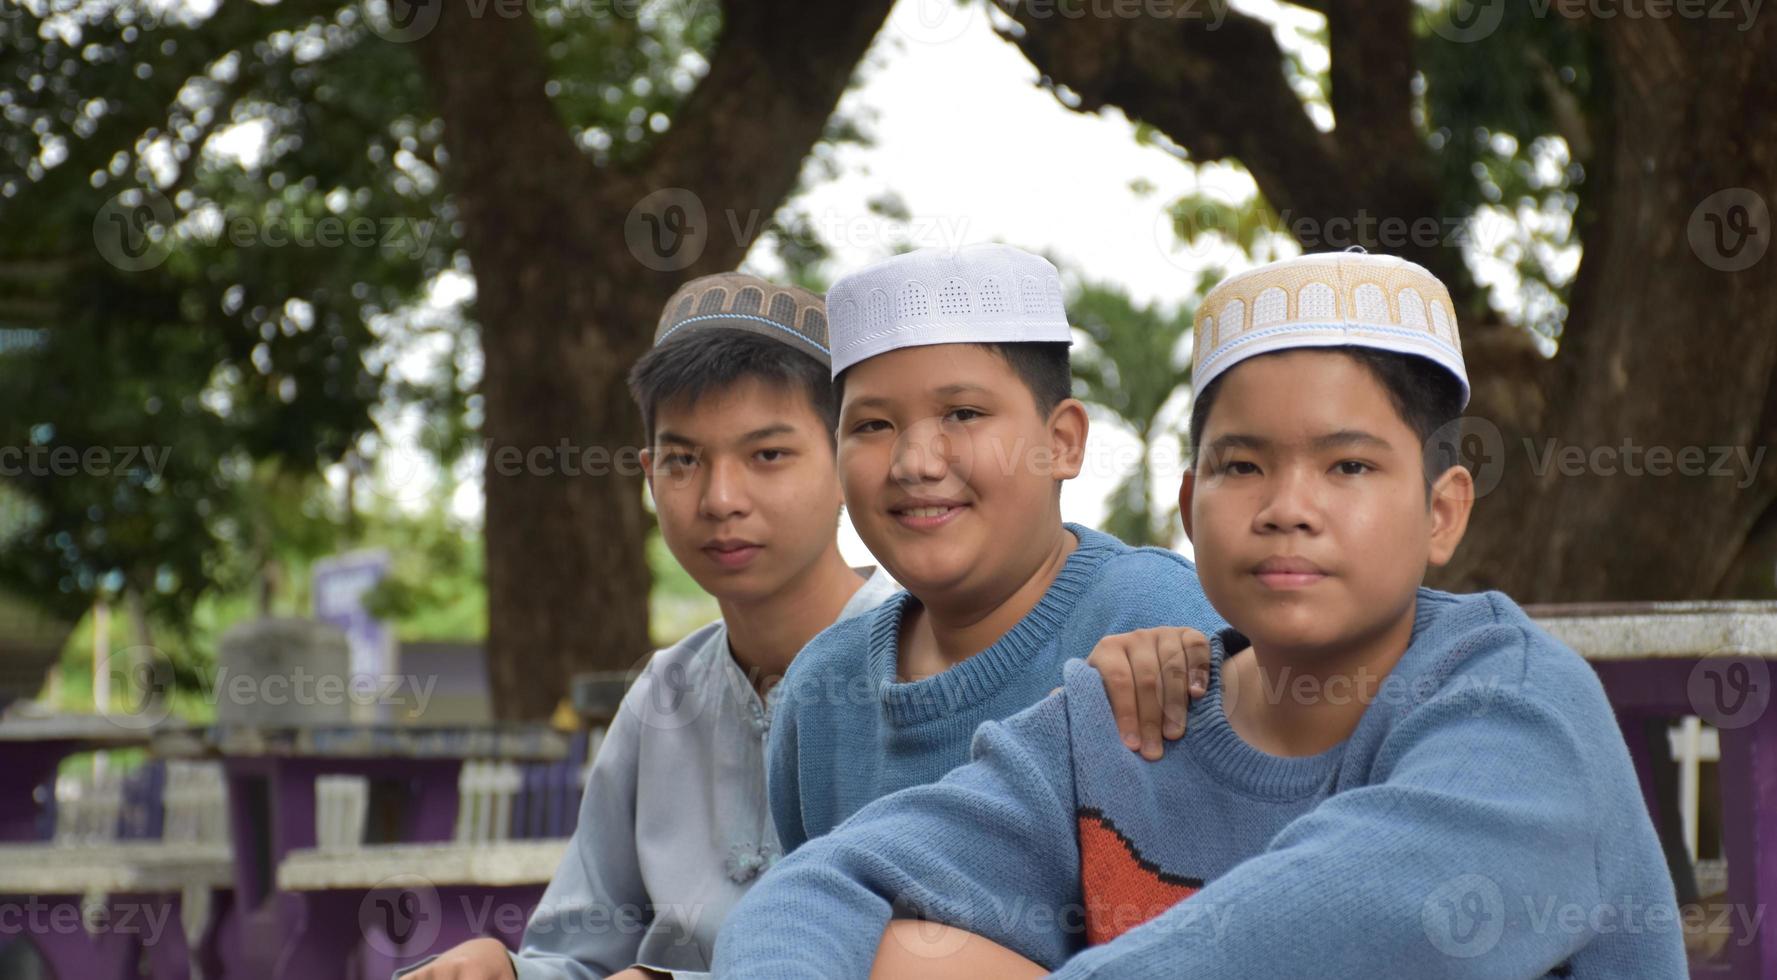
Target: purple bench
{"type": "Point", "coordinates": [1666, 660]}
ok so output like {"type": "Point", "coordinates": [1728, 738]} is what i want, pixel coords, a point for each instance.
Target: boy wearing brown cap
{"type": "Point", "coordinates": [674, 826]}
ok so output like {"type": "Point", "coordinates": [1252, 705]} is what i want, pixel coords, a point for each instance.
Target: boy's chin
{"type": "Point", "coordinates": [923, 576]}
{"type": "Point", "coordinates": [1304, 639]}
{"type": "Point", "coordinates": [1306, 642]}
{"type": "Point", "coordinates": [747, 585]}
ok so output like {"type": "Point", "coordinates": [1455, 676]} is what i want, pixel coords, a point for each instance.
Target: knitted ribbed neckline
{"type": "Point", "coordinates": [982, 675]}
{"type": "Point", "coordinates": [1232, 761]}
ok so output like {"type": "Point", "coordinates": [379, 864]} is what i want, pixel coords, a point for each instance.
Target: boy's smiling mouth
{"type": "Point", "coordinates": [1284, 572]}
{"type": "Point", "coordinates": [926, 512]}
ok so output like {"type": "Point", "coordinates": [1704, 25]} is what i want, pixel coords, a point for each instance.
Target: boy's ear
{"type": "Point", "coordinates": [1452, 499]}
{"type": "Point", "coordinates": [1187, 488]}
{"type": "Point", "coordinates": [1067, 438]}
{"type": "Point", "coordinates": [648, 468]}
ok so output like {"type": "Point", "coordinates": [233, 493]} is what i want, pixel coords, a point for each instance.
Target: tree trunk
{"type": "Point", "coordinates": [1669, 343]}
{"type": "Point", "coordinates": [570, 281]}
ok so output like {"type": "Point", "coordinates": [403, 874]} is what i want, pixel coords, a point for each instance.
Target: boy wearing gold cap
{"type": "Point", "coordinates": [1382, 780]}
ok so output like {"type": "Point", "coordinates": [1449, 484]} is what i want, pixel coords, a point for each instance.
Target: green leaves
{"type": "Point", "coordinates": [1135, 366]}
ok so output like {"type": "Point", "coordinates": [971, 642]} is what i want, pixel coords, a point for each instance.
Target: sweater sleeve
{"type": "Point", "coordinates": [1145, 588]}
{"type": "Point", "coordinates": [1465, 859]}
{"type": "Point", "coordinates": [782, 790]}
{"type": "Point", "coordinates": [959, 851]}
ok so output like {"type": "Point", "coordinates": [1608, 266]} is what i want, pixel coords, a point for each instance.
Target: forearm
{"type": "Point", "coordinates": [973, 850]}
{"type": "Point", "coordinates": [915, 950]}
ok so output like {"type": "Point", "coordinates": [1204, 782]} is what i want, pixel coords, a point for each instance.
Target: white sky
{"type": "Point", "coordinates": [978, 152]}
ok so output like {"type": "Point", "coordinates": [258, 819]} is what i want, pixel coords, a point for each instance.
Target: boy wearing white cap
{"type": "Point", "coordinates": [1382, 780]}
{"type": "Point", "coordinates": [955, 430]}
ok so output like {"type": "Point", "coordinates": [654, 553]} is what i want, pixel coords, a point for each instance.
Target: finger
{"type": "Point", "coordinates": [1175, 698]}
{"type": "Point", "coordinates": [1119, 687]}
{"type": "Point", "coordinates": [1144, 664]}
{"type": "Point", "coordinates": [1197, 660]}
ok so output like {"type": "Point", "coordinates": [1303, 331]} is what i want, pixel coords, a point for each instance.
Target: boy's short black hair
{"type": "Point", "coordinates": [1426, 396]}
{"type": "Point", "coordinates": [1043, 366]}
{"type": "Point", "coordinates": [714, 359]}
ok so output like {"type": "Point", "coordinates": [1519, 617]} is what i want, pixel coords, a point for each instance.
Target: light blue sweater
{"type": "Point", "coordinates": [1483, 820]}
{"type": "Point", "coordinates": [845, 732]}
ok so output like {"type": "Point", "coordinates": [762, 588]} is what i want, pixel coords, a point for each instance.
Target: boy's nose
{"type": "Point", "coordinates": [923, 453]}
{"type": "Point", "coordinates": [1289, 505]}
{"type": "Point", "coordinates": [725, 490]}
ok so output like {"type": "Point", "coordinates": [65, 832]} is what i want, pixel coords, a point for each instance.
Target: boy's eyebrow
{"type": "Point", "coordinates": [1343, 437]}
{"type": "Point", "coordinates": [962, 387]}
{"type": "Point", "coordinates": [1236, 440]}
{"type": "Point", "coordinates": [1350, 437]}
{"type": "Point", "coordinates": [775, 429]}
{"type": "Point", "coordinates": [871, 402]}
{"type": "Point", "coordinates": [945, 391]}
{"type": "Point", "coordinates": [778, 429]}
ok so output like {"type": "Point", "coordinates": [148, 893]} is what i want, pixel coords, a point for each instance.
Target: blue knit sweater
{"type": "Point", "coordinates": [1483, 820]}
{"type": "Point", "coordinates": [845, 732]}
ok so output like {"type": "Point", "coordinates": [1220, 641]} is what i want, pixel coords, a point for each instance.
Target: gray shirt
{"type": "Point", "coordinates": [674, 825]}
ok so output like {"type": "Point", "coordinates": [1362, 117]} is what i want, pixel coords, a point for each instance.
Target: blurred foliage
{"type": "Point", "coordinates": [1505, 118]}
{"type": "Point", "coordinates": [166, 291]}
{"type": "Point", "coordinates": [1136, 366]}
{"type": "Point", "coordinates": [434, 591]}
{"type": "Point", "coordinates": [163, 176]}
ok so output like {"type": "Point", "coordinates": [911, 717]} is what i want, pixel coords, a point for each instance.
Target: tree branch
{"type": "Point", "coordinates": [775, 76]}
{"type": "Point", "coordinates": [487, 78]}
{"type": "Point", "coordinates": [1219, 91]}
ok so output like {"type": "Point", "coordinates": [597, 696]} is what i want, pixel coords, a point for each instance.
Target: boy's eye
{"type": "Point", "coordinates": [1352, 467]}
{"type": "Point", "coordinates": [675, 460]}
{"type": "Point", "coordinates": [869, 425]}
{"type": "Point", "coordinates": [772, 455]}
{"type": "Point", "coordinates": [1240, 467]}
{"type": "Point", "coordinates": [963, 414]}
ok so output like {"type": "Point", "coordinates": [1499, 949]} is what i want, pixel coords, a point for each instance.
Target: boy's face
{"type": "Point", "coordinates": [949, 472]}
{"type": "Point", "coordinates": [745, 487]}
{"type": "Point", "coordinates": [1308, 506]}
